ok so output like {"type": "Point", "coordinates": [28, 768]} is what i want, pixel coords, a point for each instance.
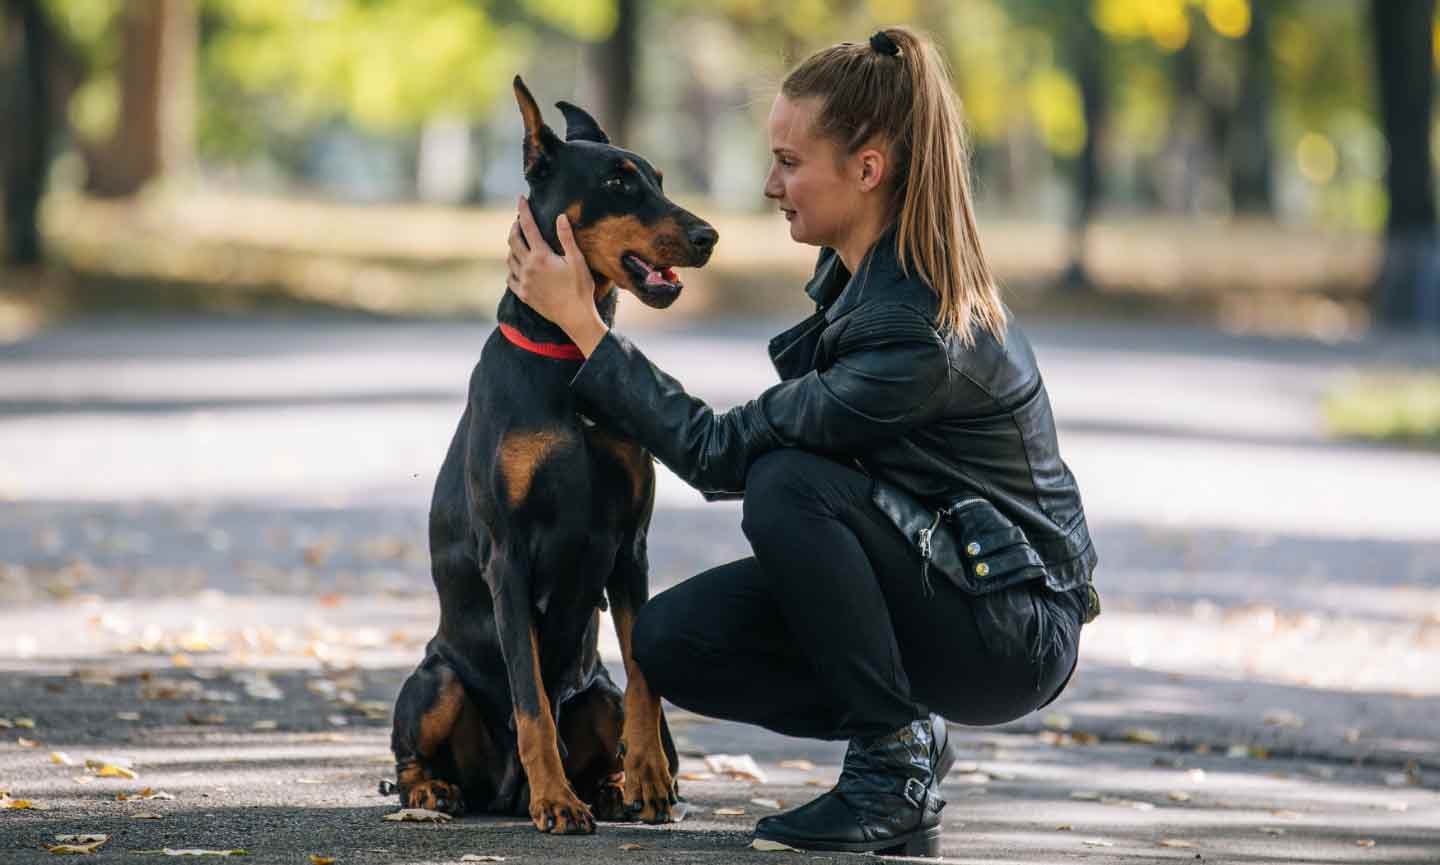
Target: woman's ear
{"type": "Point", "coordinates": [872, 168]}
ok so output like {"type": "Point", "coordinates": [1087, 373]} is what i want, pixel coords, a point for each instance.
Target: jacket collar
{"type": "Point", "coordinates": [836, 291]}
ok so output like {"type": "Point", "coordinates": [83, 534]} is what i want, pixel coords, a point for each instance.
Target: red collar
{"type": "Point", "coordinates": [557, 350]}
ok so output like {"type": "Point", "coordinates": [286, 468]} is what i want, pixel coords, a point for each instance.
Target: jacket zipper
{"type": "Point", "coordinates": [925, 549]}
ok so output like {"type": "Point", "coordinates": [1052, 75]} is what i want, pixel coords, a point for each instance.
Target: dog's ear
{"type": "Point", "coordinates": [580, 126]}
{"type": "Point", "coordinates": [540, 140]}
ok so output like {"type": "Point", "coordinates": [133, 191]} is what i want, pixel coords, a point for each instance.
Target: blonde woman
{"type": "Point", "coordinates": [920, 548]}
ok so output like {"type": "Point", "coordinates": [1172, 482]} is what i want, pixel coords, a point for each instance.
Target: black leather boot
{"type": "Point", "coordinates": [886, 801]}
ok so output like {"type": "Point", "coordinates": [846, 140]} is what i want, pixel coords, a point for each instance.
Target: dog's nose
{"type": "Point", "coordinates": [703, 237]}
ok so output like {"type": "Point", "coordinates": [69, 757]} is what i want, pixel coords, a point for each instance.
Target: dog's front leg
{"type": "Point", "coordinates": [649, 775]}
{"type": "Point", "coordinates": [554, 807]}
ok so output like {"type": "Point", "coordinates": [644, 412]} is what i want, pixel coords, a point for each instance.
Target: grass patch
{"type": "Point", "coordinates": [1402, 407]}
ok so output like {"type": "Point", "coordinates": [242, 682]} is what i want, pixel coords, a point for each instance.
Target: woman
{"type": "Point", "coordinates": [859, 614]}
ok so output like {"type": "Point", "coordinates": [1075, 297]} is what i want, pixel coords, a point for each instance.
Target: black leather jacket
{"type": "Point", "coordinates": [869, 380]}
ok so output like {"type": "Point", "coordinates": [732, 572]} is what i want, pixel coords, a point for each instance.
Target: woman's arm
{"type": "Point", "coordinates": [888, 377]}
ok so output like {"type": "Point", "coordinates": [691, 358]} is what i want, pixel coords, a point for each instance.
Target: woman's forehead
{"type": "Point", "coordinates": [792, 122]}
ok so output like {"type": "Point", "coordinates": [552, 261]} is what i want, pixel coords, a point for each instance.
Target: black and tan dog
{"type": "Point", "coordinates": [537, 516]}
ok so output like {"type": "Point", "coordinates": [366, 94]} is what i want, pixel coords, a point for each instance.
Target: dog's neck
{"type": "Point", "coordinates": [537, 328]}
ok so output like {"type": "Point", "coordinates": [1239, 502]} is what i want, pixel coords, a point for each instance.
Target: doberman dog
{"type": "Point", "coordinates": [537, 516]}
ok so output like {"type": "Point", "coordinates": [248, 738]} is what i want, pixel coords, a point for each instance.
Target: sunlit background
{"type": "Point", "coordinates": [1220, 157]}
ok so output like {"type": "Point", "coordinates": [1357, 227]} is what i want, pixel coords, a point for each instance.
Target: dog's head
{"type": "Point", "coordinates": [630, 233]}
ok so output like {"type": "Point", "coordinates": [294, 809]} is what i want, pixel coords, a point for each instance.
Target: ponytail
{"type": "Point", "coordinates": [896, 88]}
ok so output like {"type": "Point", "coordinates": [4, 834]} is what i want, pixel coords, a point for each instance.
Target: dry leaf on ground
{"type": "Point", "coordinates": [802, 765]}
{"type": "Point", "coordinates": [1097, 842]}
{"type": "Point", "coordinates": [317, 859]}
{"type": "Point", "coordinates": [147, 793]}
{"type": "Point", "coordinates": [775, 804]}
{"type": "Point", "coordinates": [77, 844]}
{"type": "Point", "coordinates": [25, 723]}
{"type": "Point", "coordinates": [23, 805]}
{"type": "Point", "coordinates": [740, 766]}
{"type": "Point", "coordinates": [729, 812]}
{"type": "Point", "coordinates": [110, 770]}
{"type": "Point", "coordinates": [27, 743]}
{"type": "Point", "coordinates": [145, 815]}
{"type": "Point", "coordinates": [195, 851]}
{"type": "Point", "coordinates": [1178, 796]}
{"type": "Point", "coordinates": [631, 847]}
{"type": "Point", "coordinates": [1176, 842]}
{"type": "Point", "coordinates": [770, 846]}
{"type": "Point", "coordinates": [1365, 842]}
{"type": "Point", "coordinates": [418, 815]}
{"type": "Point", "coordinates": [60, 758]}
{"type": "Point", "coordinates": [1142, 736]}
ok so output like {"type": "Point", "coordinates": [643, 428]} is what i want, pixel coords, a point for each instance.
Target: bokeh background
{"type": "Point", "coordinates": [1260, 164]}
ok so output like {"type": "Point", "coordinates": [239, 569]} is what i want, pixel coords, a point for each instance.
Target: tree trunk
{"type": "Point", "coordinates": [616, 62]}
{"type": "Point", "coordinates": [1085, 49]}
{"type": "Point", "coordinates": [1408, 291]}
{"type": "Point", "coordinates": [157, 99]}
{"type": "Point", "coordinates": [25, 146]}
{"type": "Point", "coordinates": [1251, 179]}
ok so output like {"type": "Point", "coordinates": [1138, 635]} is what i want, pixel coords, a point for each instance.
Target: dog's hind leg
{"type": "Point", "coordinates": [590, 725]}
{"type": "Point", "coordinates": [429, 704]}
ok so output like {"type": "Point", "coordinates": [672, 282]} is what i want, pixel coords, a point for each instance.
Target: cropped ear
{"type": "Point", "coordinates": [540, 140]}
{"type": "Point", "coordinates": [580, 126]}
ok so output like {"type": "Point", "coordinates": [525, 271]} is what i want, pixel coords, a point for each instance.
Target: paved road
{"type": "Point", "coordinates": [198, 501]}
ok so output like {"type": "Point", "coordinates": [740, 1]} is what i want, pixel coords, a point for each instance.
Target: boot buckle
{"type": "Point", "coordinates": [915, 792]}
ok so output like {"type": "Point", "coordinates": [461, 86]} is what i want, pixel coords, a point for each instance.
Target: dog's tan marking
{"type": "Point", "coordinates": [647, 769]}
{"type": "Point", "coordinates": [662, 244]}
{"type": "Point", "coordinates": [551, 797]}
{"type": "Point", "coordinates": [437, 721]}
{"type": "Point", "coordinates": [521, 455]}
{"type": "Point", "coordinates": [629, 166]}
{"type": "Point", "coordinates": [633, 459]}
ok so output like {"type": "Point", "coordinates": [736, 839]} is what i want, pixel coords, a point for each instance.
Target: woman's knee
{"type": "Point", "coordinates": [652, 644]}
{"type": "Point", "coordinates": [775, 482]}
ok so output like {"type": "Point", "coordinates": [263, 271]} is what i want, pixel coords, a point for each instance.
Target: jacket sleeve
{"type": "Point", "coordinates": [888, 377]}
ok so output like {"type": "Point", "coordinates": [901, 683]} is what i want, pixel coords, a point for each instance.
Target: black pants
{"type": "Point", "coordinates": [826, 632]}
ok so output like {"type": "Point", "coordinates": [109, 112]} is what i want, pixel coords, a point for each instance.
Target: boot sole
{"type": "Point", "coordinates": [922, 842]}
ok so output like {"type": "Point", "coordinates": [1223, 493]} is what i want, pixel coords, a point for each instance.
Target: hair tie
{"type": "Point", "coordinates": [882, 43]}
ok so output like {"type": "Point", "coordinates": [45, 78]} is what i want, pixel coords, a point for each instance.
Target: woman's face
{"type": "Point", "coordinates": [808, 177]}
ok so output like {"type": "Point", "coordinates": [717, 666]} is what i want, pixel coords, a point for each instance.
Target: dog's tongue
{"type": "Point", "coordinates": [661, 276]}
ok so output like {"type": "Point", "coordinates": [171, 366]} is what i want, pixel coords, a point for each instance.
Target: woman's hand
{"type": "Point", "coordinates": [558, 287]}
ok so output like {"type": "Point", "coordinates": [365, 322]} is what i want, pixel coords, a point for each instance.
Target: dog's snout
{"type": "Point", "coordinates": [703, 238]}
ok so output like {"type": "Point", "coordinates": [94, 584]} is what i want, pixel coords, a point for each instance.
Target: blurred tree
{"type": "Point", "coordinates": [1083, 48]}
{"type": "Point", "coordinates": [614, 61]}
{"type": "Point", "coordinates": [1251, 177]}
{"type": "Point", "coordinates": [1408, 292]}
{"type": "Point", "coordinates": [25, 46]}
{"type": "Point", "coordinates": [154, 132]}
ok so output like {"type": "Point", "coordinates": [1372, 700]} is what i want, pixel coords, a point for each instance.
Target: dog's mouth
{"type": "Point", "coordinates": [657, 286]}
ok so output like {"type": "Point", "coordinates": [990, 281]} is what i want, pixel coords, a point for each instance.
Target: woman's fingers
{"type": "Point", "coordinates": [573, 255]}
{"type": "Point", "coordinates": [518, 246]}
{"type": "Point", "coordinates": [527, 225]}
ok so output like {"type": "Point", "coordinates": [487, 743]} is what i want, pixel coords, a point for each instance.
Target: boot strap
{"type": "Point", "coordinates": [916, 792]}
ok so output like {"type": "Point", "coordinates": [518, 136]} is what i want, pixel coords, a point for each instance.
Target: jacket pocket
{"type": "Point", "coordinates": [970, 543]}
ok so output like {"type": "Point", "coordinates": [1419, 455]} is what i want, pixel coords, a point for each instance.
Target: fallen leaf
{"type": "Point", "coordinates": [1365, 842]}
{"type": "Point", "coordinates": [774, 804]}
{"type": "Point", "coordinates": [27, 743]}
{"type": "Point", "coordinates": [1097, 842]}
{"type": "Point", "coordinates": [25, 723]}
{"type": "Point", "coordinates": [1179, 796]}
{"type": "Point", "coordinates": [1142, 736]}
{"type": "Point", "coordinates": [23, 805]}
{"type": "Point", "coordinates": [205, 720]}
{"type": "Point", "coordinates": [802, 765]}
{"type": "Point", "coordinates": [1082, 738]}
{"type": "Point", "coordinates": [192, 851]}
{"type": "Point", "coordinates": [817, 782]}
{"type": "Point", "coordinates": [110, 770]}
{"type": "Point", "coordinates": [729, 812]}
{"type": "Point", "coordinates": [81, 839]}
{"type": "Point", "coordinates": [741, 766]}
{"type": "Point", "coordinates": [6, 723]}
{"type": "Point", "coordinates": [631, 847]}
{"type": "Point", "coordinates": [418, 815]}
{"type": "Point", "coordinates": [1175, 842]}
{"type": "Point", "coordinates": [1064, 827]}
{"type": "Point", "coordinates": [60, 758]}
{"type": "Point", "coordinates": [1237, 751]}
{"type": "Point", "coordinates": [145, 815]}
{"type": "Point", "coordinates": [770, 846]}
{"type": "Point", "coordinates": [78, 847]}
{"type": "Point", "coordinates": [147, 793]}
{"type": "Point", "coordinates": [317, 859]}
{"type": "Point", "coordinates": [127, 716]}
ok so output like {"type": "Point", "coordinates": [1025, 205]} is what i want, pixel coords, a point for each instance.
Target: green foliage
{"type": "Point", "coordinates": [1400, 408]}
{"type": "Point", "coordinates": [385, 65]}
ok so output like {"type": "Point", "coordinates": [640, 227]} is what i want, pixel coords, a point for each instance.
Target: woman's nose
{"type": "Point", "coordinates": [773, 187]}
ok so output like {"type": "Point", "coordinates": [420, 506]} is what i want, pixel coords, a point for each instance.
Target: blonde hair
{"type": "Point", "coordinates": [897, 88]}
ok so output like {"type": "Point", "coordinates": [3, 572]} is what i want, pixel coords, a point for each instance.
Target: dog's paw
{"type": "Point", "coordinates": [649, 789]}
{"type": "Point", "coordinates": [561, 813]}
{"type": "Point", "coordinates": [609, 803]}
{"type": "Point", "coordinates": [435, 796]}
